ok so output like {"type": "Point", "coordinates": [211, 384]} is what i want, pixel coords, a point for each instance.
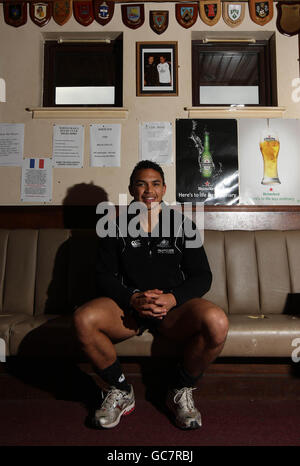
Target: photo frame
{"type": "Point", "coordinates": [156, 69]}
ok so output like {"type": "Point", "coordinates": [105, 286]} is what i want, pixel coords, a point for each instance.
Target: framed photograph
{"type": "Point", "coordinates": [157, 69]}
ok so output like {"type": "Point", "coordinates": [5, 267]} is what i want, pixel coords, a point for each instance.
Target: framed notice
{"type": "Point", "coordinates": [156, 69]}
{"type": "Point", "coordinates": [207, 161]}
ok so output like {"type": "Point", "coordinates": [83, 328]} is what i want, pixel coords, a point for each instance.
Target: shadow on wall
{"type": "Point", "coordinates": [73, 278]}
{"type": "Point", "coordinates": [79, 205]}
{"type": "Point", "coordinates": [73, 281]}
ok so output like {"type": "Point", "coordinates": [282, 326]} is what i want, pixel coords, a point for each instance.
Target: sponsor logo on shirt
{"type": "Point", "coordinates": [165, 251]}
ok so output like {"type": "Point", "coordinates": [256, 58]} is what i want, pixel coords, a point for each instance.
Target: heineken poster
{"type": "Point", "coordinates": [207, 161]}
{"type": "Point", "coordinates": [269, 161]}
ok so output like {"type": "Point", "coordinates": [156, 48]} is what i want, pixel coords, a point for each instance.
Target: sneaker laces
{"type": "Point", "coordinates": [112, 398]}
{"type": "Point", "coordinates": [184, 397]}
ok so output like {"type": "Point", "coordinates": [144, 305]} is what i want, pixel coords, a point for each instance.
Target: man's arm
{"type": "Point", "coordinates": [196, 270]}
{"type": "Point", "coordinates": [107, 273]}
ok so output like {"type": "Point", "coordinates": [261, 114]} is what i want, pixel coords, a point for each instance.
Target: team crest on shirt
{"type": "Point", "coordinates": [136, 243]}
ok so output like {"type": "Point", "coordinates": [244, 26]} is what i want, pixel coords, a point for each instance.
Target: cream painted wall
{"type": "Point", "coordinates": [21, 64]}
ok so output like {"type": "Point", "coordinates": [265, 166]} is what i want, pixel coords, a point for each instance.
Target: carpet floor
{"type": "Point", "coordinates": [39, 410]}
{"type": "Point", "coordinates": [226, 423]}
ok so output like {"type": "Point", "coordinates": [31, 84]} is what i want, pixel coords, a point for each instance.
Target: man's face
{"type": "Point", "coordinates": [148, 187]}
{"type": "Point", "coordinates": [150, 60]}
{"type": "Point", "coordinates": [162, 59]}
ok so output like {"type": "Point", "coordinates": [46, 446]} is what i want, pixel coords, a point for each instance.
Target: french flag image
{"type": "Point", "coordinates": [39, 164]}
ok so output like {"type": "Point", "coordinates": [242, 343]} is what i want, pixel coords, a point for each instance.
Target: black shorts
{"type": "Point", "coordinates": [144, 323]}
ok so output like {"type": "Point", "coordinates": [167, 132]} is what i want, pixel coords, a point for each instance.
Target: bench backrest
{"type": "Point", "coordinates": [52, 270]}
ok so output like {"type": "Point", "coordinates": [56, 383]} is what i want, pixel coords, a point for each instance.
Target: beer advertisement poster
{"type": "Point", "coordinates": [269, 161]}
{"type": "Point", "coordinates": [207, 161]}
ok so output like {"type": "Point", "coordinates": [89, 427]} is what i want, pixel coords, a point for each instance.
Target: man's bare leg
{"type": "Point", "coordinates": [99, 324]}
{"type": "Point", "coordinates": [201, 327]}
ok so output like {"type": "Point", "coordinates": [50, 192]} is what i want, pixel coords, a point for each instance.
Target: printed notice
{"type": "Point", "coordinates": [105, 145]}
{"type": "Point", "coordinates": [36, 185]}
{"type": "Point", "coordinates": [11, 144]}
{"type": "Point", "coordinates": [68, 142]}
{"type": "Point", "coordinates": [156, 142]}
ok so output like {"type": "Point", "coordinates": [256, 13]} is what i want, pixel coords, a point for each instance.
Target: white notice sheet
{"type": "Point", "coordinates": [68, 142]}
{"type": "Point", "coordinates": [36, 185]}
{"type": "Point", "coordinates": [105, 145]}
{"type": "Point", "coordinates": [156, 142]}
{"type": "Point", "coordinates": [11, 144]}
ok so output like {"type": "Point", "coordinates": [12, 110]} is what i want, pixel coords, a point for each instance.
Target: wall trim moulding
{"type": "Point", "coordinates": [235, 112]}
{"type": "Point", "coordinates": [111, 113]}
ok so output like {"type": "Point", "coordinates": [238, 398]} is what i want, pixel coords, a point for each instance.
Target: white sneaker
{"type": "Point", "coordinates": [115, 404]}
{"type": "Point", "coordinates": [181, 404]}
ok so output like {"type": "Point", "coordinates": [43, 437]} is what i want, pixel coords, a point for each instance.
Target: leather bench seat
{"type": "Point", "coordinates": [6, 323]}
{"type": "Point", "coordinates": [252, 336]}
{"type": "Point", "coordinates": [45, 274]}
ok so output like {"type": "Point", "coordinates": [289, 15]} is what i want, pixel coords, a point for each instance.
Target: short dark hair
{"type": "Point", "coordinates": [144, 164]}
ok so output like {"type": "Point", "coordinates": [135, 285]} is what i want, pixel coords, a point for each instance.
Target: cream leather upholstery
{"type": "Point", "coordinates": [45, 273]}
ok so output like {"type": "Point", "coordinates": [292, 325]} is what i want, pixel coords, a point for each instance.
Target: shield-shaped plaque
{"type": "Point", "coordinates": [186, 14]}
{"type": "Point", "coordinates": [210, 11]}
{"type": "Point", "coordinates": [40, 13]}
{"type": "Point", "coordinates": [83, 11]}
{"type": "Point", "coordinates": [233, 13]}
{"type": "Point", "coordinates": [15, 14]}
{"type": "Point", "coordinates": [133, 16]}
{"type": "Point", "coordinates": [288, 18]}
{"type": "Point", "coordinates": [159, 21]}
{"type": "Point", "coordinates": [62, 11]}
{"type": "Point", "coordinates": [103, 11]}
{"type": "Point", "coordinates": [261, 12]}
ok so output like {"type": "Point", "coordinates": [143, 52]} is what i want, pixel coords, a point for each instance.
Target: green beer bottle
{"type": "Point", "coordinates": [207, 164]}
